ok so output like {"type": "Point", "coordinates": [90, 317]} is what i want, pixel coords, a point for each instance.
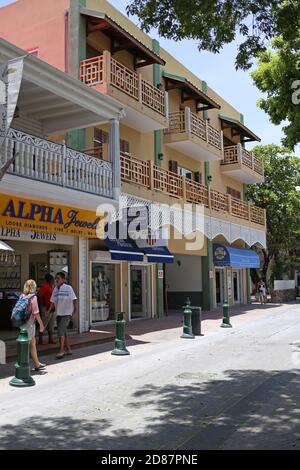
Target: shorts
{"type": "Point", "coordinates": [29, 327]}
{"type": "Point", "coordinates": [62, 325]}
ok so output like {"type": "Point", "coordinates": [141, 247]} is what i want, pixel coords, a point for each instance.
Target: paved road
{"type": "Point", "coordinates": [231, 389]}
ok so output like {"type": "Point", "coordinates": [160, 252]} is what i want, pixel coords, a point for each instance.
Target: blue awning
{"type": "Point", "coordinates": [122, 249]}
{"type": "Point", "coordinates": [158, 254]}
{"type": "Point", "coordinates": [235, 257]}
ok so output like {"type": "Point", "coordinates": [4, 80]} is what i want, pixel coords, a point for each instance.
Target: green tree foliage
{"type": "Point", "coordinates": [278, 76]}
{"type": "Point", "coordinates": [215, 23]}
{"type": "Point", "coordinates": [280, 196]}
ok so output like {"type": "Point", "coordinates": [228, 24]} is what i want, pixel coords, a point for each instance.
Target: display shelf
{"type": "Point", "coordinates": [10, 274]}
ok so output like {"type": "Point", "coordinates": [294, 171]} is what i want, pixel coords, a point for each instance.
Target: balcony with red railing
{"type": "Point", "coordinates": [154, 178]}
{"type": "Point", "coordinates": [146, 106]}
{"type": "Point", "coordinates": [188, 133]}
{"type": "Point", "coordinates": [242, 165]}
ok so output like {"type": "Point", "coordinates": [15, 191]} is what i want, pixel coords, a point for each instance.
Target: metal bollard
{"type": "Point", "coordinates": [196, 321]}
{"type": "Point", "coordinates": [187, 320]}
{"type": "Point", "coordinates": [120, 342]}
{"type": "Point", "coordinates": [226, 321]}
{"type": "Point", "coordinates": [22, 366]}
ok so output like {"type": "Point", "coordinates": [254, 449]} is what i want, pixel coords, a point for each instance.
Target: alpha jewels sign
{"type": "Point", "coordinates": [38, 216]}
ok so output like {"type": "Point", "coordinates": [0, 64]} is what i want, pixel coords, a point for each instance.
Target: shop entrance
{"type": "Point", "coordinates": [220, 286]}
{"type": "Point", "coordinates": [140, 291]}
{"type": "Point", "coordinates": [237, 291]}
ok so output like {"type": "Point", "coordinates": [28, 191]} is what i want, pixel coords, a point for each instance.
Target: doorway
{"type": "Point", "coordinates": [236, 282]}
{"type": "Point", "coordinates": [220, 286]}
{"type": "Point", "coordinates": [140, 291]}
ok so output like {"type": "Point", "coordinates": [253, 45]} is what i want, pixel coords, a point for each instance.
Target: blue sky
{"type": "Point", "coordinates": [218, 71]}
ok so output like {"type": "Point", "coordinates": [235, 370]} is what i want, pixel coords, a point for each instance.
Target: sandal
{"type": "Point", "coordinates": [68, 353]}
{"type": "Point", "coordinates": [59, 356]}
{"type": "Point", "coordinates": [40, 367]}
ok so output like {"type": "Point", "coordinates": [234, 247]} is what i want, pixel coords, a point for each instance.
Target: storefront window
{"type": "Point", "coordinates": [103, 291]}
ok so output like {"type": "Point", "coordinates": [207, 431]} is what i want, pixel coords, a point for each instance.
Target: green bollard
{"type": "Point", "coordinates": [22, 377]}
{"type": "Point", "coordinates": [120, 342]}
{"type": "Point", "coordinates": [226, 322]}
{"type": "Point", "coordinates": [187, 321]}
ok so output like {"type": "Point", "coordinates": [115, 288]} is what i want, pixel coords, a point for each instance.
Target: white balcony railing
{"type": "Point", "coordinates": [49, 162]}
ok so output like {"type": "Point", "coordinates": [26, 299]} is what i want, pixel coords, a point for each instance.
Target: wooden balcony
{"type": "Point", "coordinates": [242, 165]}
{"type": "Point", "coordinates": [49, 162]}
{"type": "Point", "coordinates": [154, 178]}
{"type": "Point", "coordinates": [191, 135]}
{"type": "Point", "coordinates": [146, 106]}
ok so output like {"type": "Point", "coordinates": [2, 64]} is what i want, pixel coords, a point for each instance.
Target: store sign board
{"type": "Point", "coordinates": [30, 236]}
{"type": "Point", "coordinates": [160, 274]}
{"type": "Point", "coordinates": [39, 216]}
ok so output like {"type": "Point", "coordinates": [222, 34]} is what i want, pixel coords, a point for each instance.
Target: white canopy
{"type": "Point", "coordinates": [5, 247]}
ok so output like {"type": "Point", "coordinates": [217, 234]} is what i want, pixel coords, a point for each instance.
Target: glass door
{"type": "Point", "coordinates": [139, 291]}
{"type": "Point", "coordinates": [236, 281]}
{"type": "Point", "coordinates": [219, 286]}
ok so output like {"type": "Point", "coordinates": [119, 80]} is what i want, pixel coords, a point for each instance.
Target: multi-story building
{"type": "Point", "coordinates": [50, 193]}
{"type": "Point", "coordinates": [180, 142]}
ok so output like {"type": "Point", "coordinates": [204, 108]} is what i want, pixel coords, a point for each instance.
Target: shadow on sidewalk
{"type": "Point", "coordinates": [240, 409]}
{"type": "Point", "coordinates": [8, 370]}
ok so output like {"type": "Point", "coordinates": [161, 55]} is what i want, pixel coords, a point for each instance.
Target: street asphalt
{"type": "Point", "coordinates": [233, 388]}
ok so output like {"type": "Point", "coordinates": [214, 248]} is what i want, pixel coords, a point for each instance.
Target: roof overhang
{"type": "Point", "coordinates": [189, 91]}
{"type": "Point", "coordinates": [56, 100]}
{"type": "Point", "coordinates": [120, 38]}
{"type": "Point", "coordinates": [238, 128]}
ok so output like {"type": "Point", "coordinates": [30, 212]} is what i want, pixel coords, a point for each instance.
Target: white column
{"type": "Point", "coordinates": [114, 152]}
{"type": "Point", "coordinates": [83, 286]}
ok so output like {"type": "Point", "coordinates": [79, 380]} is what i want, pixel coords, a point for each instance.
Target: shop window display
{"type": "Point", "coordinates": [103, 292]}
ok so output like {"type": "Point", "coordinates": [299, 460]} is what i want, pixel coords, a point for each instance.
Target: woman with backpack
{"type": "Point", "coordinates": [29, 292]}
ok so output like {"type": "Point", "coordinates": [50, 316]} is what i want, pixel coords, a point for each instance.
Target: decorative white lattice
{"type": "Point", "coordinates": [188, 221]}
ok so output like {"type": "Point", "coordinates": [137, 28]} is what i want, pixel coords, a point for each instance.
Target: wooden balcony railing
{"type": "Point", "coordinates": [237, 154]}
{"type": "Point", "coordinates": [152, 177]}
{"type": "Point", "coordinates": [186, 121]}
{"type": "Point", "coordinates": [49, 162]}
{"type": "Point", "coordinates": [134, 170]}
{"type": "Point", "coordinates": [106, 70]}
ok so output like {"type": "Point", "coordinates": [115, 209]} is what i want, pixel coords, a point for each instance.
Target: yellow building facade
{"type": "Point", "coordinates": [180, 143]}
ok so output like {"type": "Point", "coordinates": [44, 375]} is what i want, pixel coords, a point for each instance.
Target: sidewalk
{"type": "Point", "coordinates": [152, 330]}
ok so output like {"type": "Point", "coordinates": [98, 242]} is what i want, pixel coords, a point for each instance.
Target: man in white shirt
{"type": "Point", "coordinates": [63, 299]}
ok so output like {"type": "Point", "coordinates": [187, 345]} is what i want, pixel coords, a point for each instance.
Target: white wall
{"type": "Point", "coordinates": [284, 285]}
{"type": "Point", "coordinates": [187, 277]}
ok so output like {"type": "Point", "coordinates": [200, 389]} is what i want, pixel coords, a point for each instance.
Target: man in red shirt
{"type": "Point", "coordinates": [45, 293]}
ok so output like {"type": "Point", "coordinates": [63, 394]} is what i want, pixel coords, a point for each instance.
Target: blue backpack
{"type": "Point", "coordinates": [20, 313]}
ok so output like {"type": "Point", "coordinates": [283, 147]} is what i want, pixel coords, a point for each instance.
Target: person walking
{"type": "Point", "coordinates": [45, 293]}
{"type": "Point", "coordinates": [29, 290]}
{"type": "Point", "coordinates": [261, 288]}
{"type": "Point", "coordinates": [63, 300]}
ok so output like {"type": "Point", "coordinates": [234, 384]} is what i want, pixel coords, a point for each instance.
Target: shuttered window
{"type": "Point", "coordinates": [173, 166]}
{"type": "Point", "coordinates": [234, 193]}
{"type": "Point", "coordinates": [100, 138]}
{"type": "Point", "coordinates": [124, 146]}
